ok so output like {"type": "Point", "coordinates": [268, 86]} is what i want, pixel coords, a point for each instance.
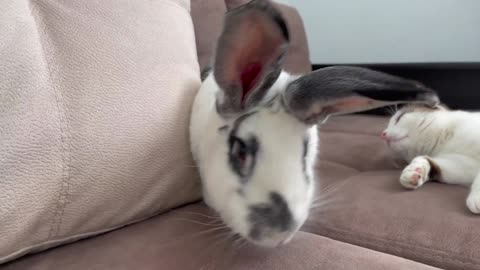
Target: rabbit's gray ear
{"type": "Point", "coordinates": [248, 55]}
{"type": "Point", "coordinates": [345, 89]}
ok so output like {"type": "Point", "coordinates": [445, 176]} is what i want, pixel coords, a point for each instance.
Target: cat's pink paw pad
{"type": "Point", "coordinates": [411, 180]}
{"type": "Point", "coordinates": [415, 174]}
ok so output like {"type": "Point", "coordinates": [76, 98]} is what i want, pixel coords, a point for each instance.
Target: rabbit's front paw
{"type": "Point", "coordinates": [473, 202]}
{"type": "Point", "coordinates": [416, 173]}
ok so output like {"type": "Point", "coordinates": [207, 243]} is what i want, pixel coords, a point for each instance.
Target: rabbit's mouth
{"type": "Point", "coordinates": [273, 240]}
{"type": "Point", "coordinates": [270, 223]}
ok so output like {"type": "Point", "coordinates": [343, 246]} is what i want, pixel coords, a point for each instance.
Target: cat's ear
{"type": "Point", "coordinates": [344, 89]}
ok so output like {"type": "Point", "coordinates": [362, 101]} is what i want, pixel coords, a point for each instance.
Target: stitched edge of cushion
{"type": "Point", "coordinates": [413, 252]}
{"type": "Point", "coordinates": [70, 239]}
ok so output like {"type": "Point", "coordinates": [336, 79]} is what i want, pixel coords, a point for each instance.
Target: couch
{"type": "Point", "coordinates": [155, 219]}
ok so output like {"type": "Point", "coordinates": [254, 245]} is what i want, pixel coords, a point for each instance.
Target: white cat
{"type": "Point", "coordinates": [439, 144]}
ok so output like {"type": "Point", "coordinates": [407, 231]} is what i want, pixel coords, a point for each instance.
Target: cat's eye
{"type": "Point", "coordinates": [399, 117]}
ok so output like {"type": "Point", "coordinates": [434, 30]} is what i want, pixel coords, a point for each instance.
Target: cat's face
{"type": "Point", "coordinates": [401, 130]}
{"type": "Point", "coordinates": [412, 128]}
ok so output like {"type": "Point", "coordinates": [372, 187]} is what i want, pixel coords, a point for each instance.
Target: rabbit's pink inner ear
{"type": "Point", "coordinates": [351, 105]}
{"type": "Point", "coordinates": [249, 78]}
{"type": "Point", "coordinates": [249, 54]}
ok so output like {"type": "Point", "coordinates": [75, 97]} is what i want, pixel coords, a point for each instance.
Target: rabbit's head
{"type": "Point", "coordinates": [256, 148]}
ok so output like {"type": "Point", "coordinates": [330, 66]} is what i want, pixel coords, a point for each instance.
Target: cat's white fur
{"type": "Point", "coordinates": [279, 163]}
{"type": "Point", "coordinates": [447, 142]}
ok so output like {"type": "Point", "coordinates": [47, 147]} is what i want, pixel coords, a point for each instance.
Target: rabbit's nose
{"type": "Point", "coordinates": [274, 215]}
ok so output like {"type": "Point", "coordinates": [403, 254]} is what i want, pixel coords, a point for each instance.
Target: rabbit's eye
{"type": "Point", "coordinates": [239, 150]}
{"type": "Point", "coordinates": [242, 155]}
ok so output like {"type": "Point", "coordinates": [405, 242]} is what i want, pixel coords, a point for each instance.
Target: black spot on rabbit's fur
{"type": "Point", "coordinates": [304, 158]}
{"type": "Point", "coordinates": [243, 168]}
{"type": "Point", "coordinates": [204, 74]}
{"type": "Point", "coordinates": [223, 128]}
{"type": "Point", "coordinates": [273, 215]}
{"type": "Point", "coordinates": [239, 120]}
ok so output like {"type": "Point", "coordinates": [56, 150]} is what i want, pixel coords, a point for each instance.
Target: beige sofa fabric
{"type": "Point", "coordinates": [94, 105]}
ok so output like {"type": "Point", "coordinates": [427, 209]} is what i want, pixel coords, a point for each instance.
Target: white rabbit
{"type": "Point", "coordinates": [253, 127]}
{"type": "Point", "coordinates": [439, 144]}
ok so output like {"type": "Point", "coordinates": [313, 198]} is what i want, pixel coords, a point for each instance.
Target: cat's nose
{"type": "Point", "coordinates": [384, 136]}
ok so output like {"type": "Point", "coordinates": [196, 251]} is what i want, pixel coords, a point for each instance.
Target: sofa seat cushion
{"type": "Point", "coordinates": [192, 238]}
{"type": "Point", "coordinates": [362, 202]}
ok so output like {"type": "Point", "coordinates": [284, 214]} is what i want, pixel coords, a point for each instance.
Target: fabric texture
{"type": "Point", "coordinates": [95, 99]}
{"type": "Point", "coordinates": [191, 238]}
{"type": "Point", "coordinates": [362, 202]}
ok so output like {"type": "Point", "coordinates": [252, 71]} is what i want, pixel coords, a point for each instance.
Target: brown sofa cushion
{"type": "Point", "coordinates": [188, 239]}
{"type": "Point", "coordinates": [365, 205]}
{"type": "Point", "coordinates": [95, 100]}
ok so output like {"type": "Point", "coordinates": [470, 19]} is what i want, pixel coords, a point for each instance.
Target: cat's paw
{"type": "Point", "coordinates": [416, 173]}
{"type": "Point", "coordinates": [473, 202]}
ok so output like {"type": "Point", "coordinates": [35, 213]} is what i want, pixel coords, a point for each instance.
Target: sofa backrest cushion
{"type": "Point", "coordinates": [95, 99]}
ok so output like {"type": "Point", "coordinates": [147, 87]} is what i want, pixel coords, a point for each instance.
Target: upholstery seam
{"type": "Point", "coordinates": [338, 164]}
{"type": "Point", "coordinates": [369, 250]}
{"type": "Point", "coordinates": [358, 171]}
{"type": "Point", "coordinates": [64, 129]}
{"type": "Point", "coordinates": [48, 245]}
{"type": "Point", "coordinates": [381, 242]}
{"type": "Point", "coordinates": [350, 132]}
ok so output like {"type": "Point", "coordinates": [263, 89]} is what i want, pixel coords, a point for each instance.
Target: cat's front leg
{"type": "Point", "coordinates": [416, 173]}
{"type": "Point", "coordinates": [473, 199]}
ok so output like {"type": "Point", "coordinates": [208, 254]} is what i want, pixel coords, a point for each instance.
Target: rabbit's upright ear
{"type": "Point", "coordinates": [248, 56]}
{"type": "Point", "coordinates": [345, 89]}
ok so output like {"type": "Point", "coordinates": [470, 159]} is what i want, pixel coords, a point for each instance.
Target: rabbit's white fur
{"type": "Point", "coordinates": [253, 127]}
{"type": "Point", "coordinates": [279, 165]}
{"type": "Point", "coordinates": [446, 143]}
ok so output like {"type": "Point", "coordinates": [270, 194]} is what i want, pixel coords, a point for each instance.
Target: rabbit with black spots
{"type": "Point", "coordinates": [253, 127]}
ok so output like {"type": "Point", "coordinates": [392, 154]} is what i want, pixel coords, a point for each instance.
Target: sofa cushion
{"type": "Point", "coordinates": [362, 202]}
{"type": "Point", "coordinates": [94, 109]}
{"type": "Point", "coordinates": [191, 238]}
